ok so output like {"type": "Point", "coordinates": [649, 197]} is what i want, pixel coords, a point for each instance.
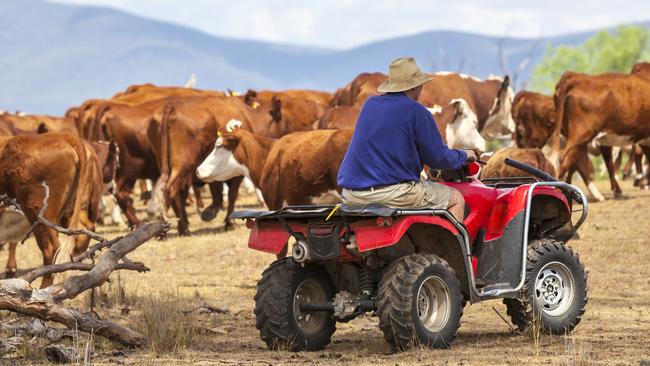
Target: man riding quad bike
{"type": "Point", "coordinates": [415, 252]}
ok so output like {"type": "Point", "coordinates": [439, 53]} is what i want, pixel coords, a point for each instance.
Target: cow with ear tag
{"type": "Point", "coordinates": [298, 168]}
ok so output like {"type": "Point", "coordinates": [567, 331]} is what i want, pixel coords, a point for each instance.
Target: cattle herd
{"type": "Point", "coordinates": [285, 145]}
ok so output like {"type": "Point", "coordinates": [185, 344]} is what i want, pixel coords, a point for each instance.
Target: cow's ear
{"type": "Point", "coordinates": [41, 128]}
{"type": "Point", "coordinates": [250, 96]}
{"type": "Point", "coordinates": [506, 82]}
{"type": "Point", "coordinates": [276, 109]}
{"type": "Point", "coordinates": [112, 148]}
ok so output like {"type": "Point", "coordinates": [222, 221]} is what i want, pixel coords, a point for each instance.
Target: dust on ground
{"type": "Point", "coordinates": [216, 268]}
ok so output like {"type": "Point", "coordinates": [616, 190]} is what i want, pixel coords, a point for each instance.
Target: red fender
{"type": "Point", "coordinates": [370, 236]}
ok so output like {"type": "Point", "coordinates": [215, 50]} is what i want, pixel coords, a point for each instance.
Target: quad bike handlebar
{"type": "Point", "coordinates": [542, 175]}
{"type": "Point", "coordinates": [530, 170]}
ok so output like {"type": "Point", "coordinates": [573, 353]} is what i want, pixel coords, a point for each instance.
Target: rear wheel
{"type": "Point", "coordinates": [554, 296]}
{"type": "Point", "coordinates": [419, 302]}
{"type": "Point", "coordinates": [283, 287]}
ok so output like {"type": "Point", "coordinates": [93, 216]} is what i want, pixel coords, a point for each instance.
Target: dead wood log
{"type": "Point", "coordinates": [16, 295]}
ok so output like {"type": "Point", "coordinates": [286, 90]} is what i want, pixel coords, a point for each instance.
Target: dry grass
{"type": "Point", "coordinates": [169, 322]}
{"type": "Point", "coordinates": [219, 269]}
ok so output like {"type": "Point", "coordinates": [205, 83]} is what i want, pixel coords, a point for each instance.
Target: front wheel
{"type": "Point", "coordinates": [283, 287]}
{"type": "Point", "coordinates": [419, 302]}
{"type": "Point", "coordinates": [554, 296]}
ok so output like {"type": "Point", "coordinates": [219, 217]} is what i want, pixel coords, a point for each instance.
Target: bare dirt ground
{"type": "Point", "coordinates": [216, 268]}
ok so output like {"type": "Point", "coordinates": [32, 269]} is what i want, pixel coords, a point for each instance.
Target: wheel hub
{"type": "Point", "coordinates": [433, 303]}
{"type": "Point", "coordinates": [554, 288]}
{"type": "Point", "coordinates": [309, 291]}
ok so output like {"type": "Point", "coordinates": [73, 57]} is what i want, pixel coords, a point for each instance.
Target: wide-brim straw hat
{"type": "Point", "coordinates": [403, 74]}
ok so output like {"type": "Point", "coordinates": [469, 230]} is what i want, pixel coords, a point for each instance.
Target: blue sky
{"type": "Point", "coordinates": [349, 23]}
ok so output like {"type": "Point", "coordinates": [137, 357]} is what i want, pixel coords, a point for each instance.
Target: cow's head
{"type": "Point", "coordinates": [499, 121]}
{"type": "Point", "coordinates": [462, 132]}
{"type": "Point", "coordinates": [221, 164]}
{"type": "Point", "coordinates": [250, 98]}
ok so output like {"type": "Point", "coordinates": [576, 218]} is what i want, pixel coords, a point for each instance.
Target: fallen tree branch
{"type": "Point", "coordinates": [78, 266]}
{"type": "Point", "coordinates": [16, 295]}
{"type": "Point", "coordinates": [93, 249]}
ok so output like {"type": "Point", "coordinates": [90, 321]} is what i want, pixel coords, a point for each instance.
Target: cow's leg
{"type": "Point", "coordinates": [627, 170]}
{"type": "Point", "coordinates": [586, 170]}
{"type": "Point", "coordinates": [12, 266]}
{"type": "Point", "coordinates": [646, 152]}
{"type": "Point", "coordinates": [233, 192]}
{"type": "Point", "coordinates": [81, 241]}
{"type": "Point", "coordinates": [569, 175]}
{"type": "Point", "coordinates": [606, 152]}
{"type": "Point", "coordinates": [197, 196]}
{"type": "Point", "coordinates": [48, 243]}
{"type": "Point", "coordinates": [178, 205]}
{"type": "Point", "coordinates": [637, 156]}
{"type": "Point", "coordinates": [123, 197]}
{"type": "Point", "coordinates": [216, 191]}
{"type": "Point", "coordinates": [145, 191]}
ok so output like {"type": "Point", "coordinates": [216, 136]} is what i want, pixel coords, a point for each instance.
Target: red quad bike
{"type": "Point", "coordinates": [417, 268]}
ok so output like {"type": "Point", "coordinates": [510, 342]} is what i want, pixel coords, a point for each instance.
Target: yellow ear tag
{"type": "Point", "coordinates": [255, 105]}
{"type": "Point", "coordinates": [332, 212]}
{"type": "Point", "coordinates": [218, 133]}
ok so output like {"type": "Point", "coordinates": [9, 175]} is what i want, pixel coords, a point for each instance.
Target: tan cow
{"type": "Point", "coordinates": [496, 167]}
{"type": "Point", "coordinates": [61, 160]}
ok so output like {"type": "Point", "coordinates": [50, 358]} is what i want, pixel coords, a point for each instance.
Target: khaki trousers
{"type": "Point", "coordinates": [424, 194]}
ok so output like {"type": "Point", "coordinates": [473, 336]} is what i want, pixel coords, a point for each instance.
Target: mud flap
{"type": "Point", "coordinates": [499, 260]}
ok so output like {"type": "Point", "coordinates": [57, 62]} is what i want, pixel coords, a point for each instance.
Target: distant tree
{"type": "Point", "coordinates": [605, 52]}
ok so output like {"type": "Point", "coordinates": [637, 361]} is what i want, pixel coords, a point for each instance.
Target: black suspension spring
{"type": "Point", "coordinates": [368, 279]}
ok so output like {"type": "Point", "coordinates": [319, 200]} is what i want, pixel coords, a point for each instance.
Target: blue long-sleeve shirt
{"type": "Point", "coordinates": [393, 138]}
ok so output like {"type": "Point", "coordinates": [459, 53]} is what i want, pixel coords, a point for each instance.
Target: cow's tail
{"type": "Point", "coordinates": [158, 203]}
{"type": "Point", "coordinates": [96, 130]}
{"type": "Point", "coordinates": [561, 100]}
{"type": "Point", "coordinates": [76, 198]}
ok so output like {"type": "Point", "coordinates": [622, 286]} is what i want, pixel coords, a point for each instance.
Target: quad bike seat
{"type": "Point", "coordinates": [371, 210]}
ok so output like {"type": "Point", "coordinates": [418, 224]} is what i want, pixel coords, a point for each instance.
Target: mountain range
{"type": "Point", "coordinates": [56, 55]}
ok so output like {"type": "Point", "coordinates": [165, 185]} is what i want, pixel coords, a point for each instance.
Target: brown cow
{"type": "Point", "coordinates": [359, 89]}
{"type": "Point", "coordinates": [31, 123]}
{"type": "Point", "coordinates": [86, 115]}
{"type": "Point", "coordinates": [293, 170]}
{"type": "Point", "coordinates": [185, 135]}
{"type": "Point", "coordinates": [536, 120]}
{"type": "Point", "coordinates": [128, 125]}
{"type": "Point", "coordinates": [292, 113]}
{"type": "Point", "coordinates": [566, 95]}
{"type": "Point", "coordinates": [265, 96]}
{"type": "Point", "coordinates": [489, 99]}
{"type": "Point", "coordinates": [496, 167]}
{"type": "Point", "coordinates": [588, 105]}
{"type": "Point", "coordinates": [60, 160]}
{"type": "Point", "coordinates": [340, 117]}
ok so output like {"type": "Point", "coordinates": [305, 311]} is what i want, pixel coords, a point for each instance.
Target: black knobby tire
{"type": "Point", "coordinates": [276, 315]}
{"type": "Point", "coordinates": [549, 260]}
{"type": "Point", "coordinates": [400, 307]}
